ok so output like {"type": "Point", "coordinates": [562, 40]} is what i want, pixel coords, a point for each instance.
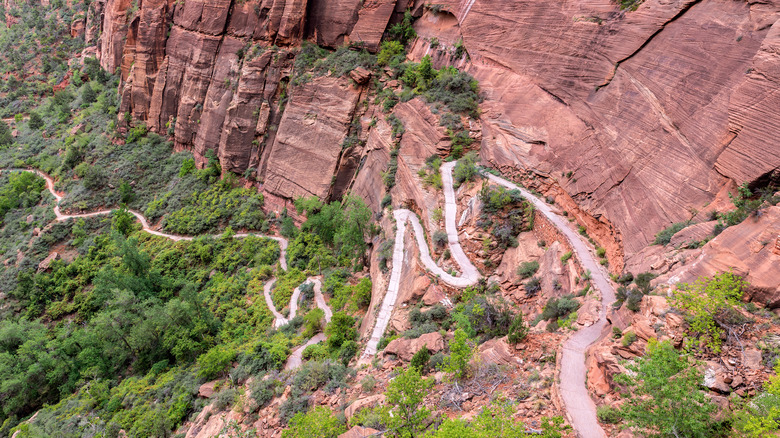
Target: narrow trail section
{"type": "Point", "coordinates": [469, 273]}
{"type": "Point", "coordinates": [579, 406]}
{"type": "Point", "coordinates": [295, 359]}
{"type": "Point", "coordinates": [279, 320]}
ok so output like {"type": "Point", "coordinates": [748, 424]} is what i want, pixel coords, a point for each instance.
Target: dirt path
{"type": "Point", "coordinates": [469, 275]}
{"type": "Point", "coordinates": [296, 358]}
{"type": "Point", "coordinates": [580, 408]}
{"type": "Point", "coordinates": [279, 321]}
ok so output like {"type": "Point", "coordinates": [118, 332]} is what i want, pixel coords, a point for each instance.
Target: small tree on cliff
{"type": "Point", "coordinates": [405, 394]}
{"type": "Point", "coordinates": [664, 399]}
{"type": "Point", "coordinates": [707, 304]}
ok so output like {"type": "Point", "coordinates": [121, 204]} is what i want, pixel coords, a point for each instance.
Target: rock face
{"type": "Point", "coordinates": [304, 156]}
{"type": "Point", "coordinates": [649, 124]}
{"type": "Point", "coordinates": [629, 119]}
{"type": "Point", "coordinates": [405, 348]}
{"type": "Point", "coordinates": [747, 250]}
{"type": "Point", "coordinates": [213, 75]}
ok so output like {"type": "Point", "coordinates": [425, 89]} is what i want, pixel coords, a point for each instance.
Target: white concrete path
{"type": "Point", "coordinates": [470, 275]}
{"type": "Point", "coordinates": [580, 408]}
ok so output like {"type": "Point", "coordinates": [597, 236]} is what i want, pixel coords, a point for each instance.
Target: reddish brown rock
{"type": "Point", "coordinates": [405, 348]}
{"type": "Point", "coordinates": [745, 249]}
{"type": "Point", "coordinates": [206, 390]}
{"type": "Point", "coordinates": [497, 351]}
{"type": "Point", "coordinates": [361, 403]}
{"type": "Point", "coordinates": [330, 21]}
{"type": "Point", "coordinates": [45, 264]}
{"type": "Point", "coordinates": [634, 134]}
{"type": "Point", "coordinates": [360, 432]}
{"type": "Point", "coordinates": [77, 27]}
{"type": "Point", "coordinates": [303, 159]}
{"type": "Point", "coordinates": [371, 23]}
{"type": "Point", "coordinates": [114, 34]}
{"type": "Point", "coordinates": [434, 295]}
{"type": "Point", "coordinates": [752, 148]}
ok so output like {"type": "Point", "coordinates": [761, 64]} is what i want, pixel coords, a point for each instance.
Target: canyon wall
{"type": "Point", "coordinates": [631, 120]}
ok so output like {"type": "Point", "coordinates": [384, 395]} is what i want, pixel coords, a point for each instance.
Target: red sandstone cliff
{"type": "Point", "coordinates": [652, 111]}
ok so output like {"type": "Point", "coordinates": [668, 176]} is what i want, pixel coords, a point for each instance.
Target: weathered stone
{"type": "Point", "coordinates": [406, 348]}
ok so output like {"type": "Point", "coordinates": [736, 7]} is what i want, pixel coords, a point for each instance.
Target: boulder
{"type": "Point", "coordinates": [45, 264]}
{"type": "Point", "coordinates": [434, 295]}
{"type": "Point", "coordinates": [360, 75]}
{"type": "Point", "coordinates": [405, 348]}
{"type": "Point", "coordinates": [714, 378]}
{"type": "Point", "coordinates": [497, 351]}
{"type": "Point", "coordinates": [642, 327]}
{"type": "Point", "coordinates": [753, 358]}
{"type": "Point", "coordinates": [365, 402]}
{"type": "Point", "coordinates": [206, 390]}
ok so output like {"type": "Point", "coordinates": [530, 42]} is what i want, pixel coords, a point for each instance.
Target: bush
{"type": "Point", "coordinates": [315, 352]}
{"type": "Point", "coordinates": [292, 406]}
{"type": "Point", "coordinates": [533, 286]}
{"type": "Point", "coordinates": [263, 391]}
{"type": "Point", "coordinates": [440, 238]}
{"type": "Point", "coordinates": [527, 269]}
{"type": "Point", "coordinates": [518, 330]}
{"type": "Point", "coordinates": [225, 399]}
{"type": "Point", "coordinates": [420, 359]}
{"type": "Point", "coordinates": [566, 256]}
{"type": "Point", "coordinates": [215, 361]}
{"type": "Point", "coordinates": [665, 236]}
{"type": "Point", "coordinates": [559, 308]}
{"type": "Point", "coordinates": [341, 329]}
{"type": "Point", "coordinates": [5, 134]}
{"type": "Point", "coordinates": [403, 32]}
{"type": "Point", "coordinates": [609, 415]}
{"type": "Point", "coordinates": [317, 423]}
{"type": "Point", "coordinates": [348, 350]}
{"type": "Point", "coordinates": [628, 339]}
{"type": "Point", "coordinates": [390, 54]}
{"type": "Point", "coordinates": [35, 122]}
{"type": "Point", "coordinates": [368, 383]}
{"type": "Point", "coordinates": [465, 169]}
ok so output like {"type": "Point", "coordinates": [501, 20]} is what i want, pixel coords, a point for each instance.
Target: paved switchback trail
{"type": "Point", "coordinates": [469, 276]}
{"type": "Point", "coordinates": [580, 408]}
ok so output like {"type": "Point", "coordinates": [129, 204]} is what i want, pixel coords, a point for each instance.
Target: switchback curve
{"type": "Point", "coordinates": [279, 319]}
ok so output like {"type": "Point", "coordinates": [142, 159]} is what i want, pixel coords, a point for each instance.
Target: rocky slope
{"type": "Point", "coordinates": [630, 119]}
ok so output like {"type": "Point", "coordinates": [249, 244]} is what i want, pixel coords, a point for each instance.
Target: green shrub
{"type": "Point", "coordinates": [403, 32]}
{"type": "Point", "coordinates": [225, 399]}
{"type": "Point", "coordinates": [420, 359]}
{"type": "Point", "coordinates": [440, 238]}
{"type": "Point", "coordinates": [215, 361]}
{"type": "Point", "coordinates": [35, 122]}
{"type": "Point", "coordinates": [527, 269]}
{"type": "Point", "coordinates": [317, 423]}
{"type": "Point", "coordinates": [264, 390]}
{"type": "Point", "coordinates": [391, 53]}
{"type": "Point", "coordinates": [628, 339]}
{"type": "Point", "coordinates": [368, 383]}
{"type": "Point", "coordinates": [533, 286]}
{"type": "Point", "coordinates": [465, 169]}
{"type": "Point", "coordinates": [5, 134]}
{"type": "Point", "coordinates": [665, 236]}
{"type": "Point", "coordinates": [609, 415]}
{"type": "Point", "coordinates": [518, 330]}
{"type": "Point", "coordinates": [566, 256]}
